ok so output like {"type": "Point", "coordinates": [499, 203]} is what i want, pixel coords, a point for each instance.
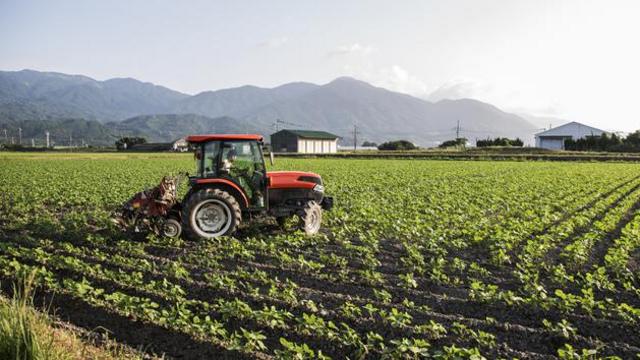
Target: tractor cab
{"type": "Point", "coordinates": [235, 162]}
{"type": "Point", "coordinates": [231, 183]}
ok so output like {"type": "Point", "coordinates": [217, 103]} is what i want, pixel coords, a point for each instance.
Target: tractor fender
{"type": "Point", "coordinates": [223, 184]}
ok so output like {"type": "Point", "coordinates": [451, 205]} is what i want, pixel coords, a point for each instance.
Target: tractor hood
{"type": "Point", "coordinates": [293, 180]}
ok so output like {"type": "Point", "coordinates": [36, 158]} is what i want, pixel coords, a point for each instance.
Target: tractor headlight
{"type": "Point", "coordinates": [319, 188]}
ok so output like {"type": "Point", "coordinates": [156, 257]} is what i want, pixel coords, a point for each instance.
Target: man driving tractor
{"type": "Point", "coordinates": [242, 170]}
{"type": "Point", "coordinates": [227, 161]}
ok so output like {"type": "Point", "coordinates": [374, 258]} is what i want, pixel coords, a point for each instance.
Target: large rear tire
{"type": "Point", "coordinates": [210, 213]}
{"type": "Point", "coordinates": [311, 218]}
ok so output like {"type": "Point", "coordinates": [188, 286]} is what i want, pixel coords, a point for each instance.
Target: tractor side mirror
{"type": "Point", "coordinates": [271, 157]}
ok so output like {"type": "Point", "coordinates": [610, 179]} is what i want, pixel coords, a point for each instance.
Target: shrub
{"type": "Point", "coordinates": [453, 143]}
{"type": "Point", "coordinates": [397, 145]}
{"type": "Point", "coordinates": [127, 142]}
{"type": "Point", "coordinates": [500, 142]}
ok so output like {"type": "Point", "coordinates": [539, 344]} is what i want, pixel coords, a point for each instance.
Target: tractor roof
{"type": "Point", "coordinates": [222, 137]}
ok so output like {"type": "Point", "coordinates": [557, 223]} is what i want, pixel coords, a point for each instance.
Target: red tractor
{"type": "Point", "coordinates": [231, 184]}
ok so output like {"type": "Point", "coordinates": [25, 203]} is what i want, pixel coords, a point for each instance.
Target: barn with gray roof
{"type": "Point", "coordinates": [554, 138]}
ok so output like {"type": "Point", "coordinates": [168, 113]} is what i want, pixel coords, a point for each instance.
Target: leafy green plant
{"type": "Point", "coordinates": [562, 328]}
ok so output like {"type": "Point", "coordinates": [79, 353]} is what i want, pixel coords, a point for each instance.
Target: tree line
{"type": "Point", "coordinates": [500, 142]}
{"type": "Point", "coordinates": [605, 142]}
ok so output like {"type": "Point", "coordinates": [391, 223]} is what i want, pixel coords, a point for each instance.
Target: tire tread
{"type": "Point", "coordinates": [206, 194]}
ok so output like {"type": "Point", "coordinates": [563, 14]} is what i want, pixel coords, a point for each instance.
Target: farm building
{"type": "Point", "coordinates": [554, 138]}
{"type": "Point", "coordinates": [180, 145]}
{"type": "Point", "coordinates": [304, 141]}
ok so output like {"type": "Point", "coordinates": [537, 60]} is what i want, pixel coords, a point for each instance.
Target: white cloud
{"type": "Point", "coordinates": [355, 48]}
{"type": "Point", "coordinates": [357, 60]}
{"type": "Point", "coordinates": [274, 42]}
{"type": "Point", "coordinates": [398, 79]}
{"type": "Point", "coordinates": [394, 78]}
{"type": "Point", "coordinates": [525, 100]}
{"type": "Point", "coordinates": [458, 89]}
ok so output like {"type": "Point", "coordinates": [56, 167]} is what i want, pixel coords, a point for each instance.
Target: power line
{"type": "Point", "coordinates": [278, 122]}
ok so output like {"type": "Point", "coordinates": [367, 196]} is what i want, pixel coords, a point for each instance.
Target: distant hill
{"type": "Point", "coordinates": [28, 95]}
{"type": "Point", "coordinates": [240, 101]}
{"type": "Point", "coordinates": [169, 127]}
{"type": "Point", "coordinates": [379, 114]}
{"type": "Point", "coordinates": [61, 132]}
{"type": "Point", "coordinates": [155, 128]}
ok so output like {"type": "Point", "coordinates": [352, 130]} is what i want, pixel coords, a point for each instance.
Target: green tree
{"type": "Point", "coordinates": [454, 143]}
{"type": "Point", "coordinates": [397, 145]}
{"type": "Point", "coordinates": [126, 142]}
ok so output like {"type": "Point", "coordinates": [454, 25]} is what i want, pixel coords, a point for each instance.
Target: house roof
{"type": "Point", "coordinates": [311, 134]}
{"type": "Point", "coordinates": [563, 130]}
{"type": "Point", "coordinates": [218, 137]}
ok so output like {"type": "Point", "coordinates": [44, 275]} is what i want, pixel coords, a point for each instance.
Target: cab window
{"type": "Point", "coordinates": [258, 159]}
{"type": "Point", "coordinates": [243, 154]}
{"type": "Point", "coordinates": [211, 154]}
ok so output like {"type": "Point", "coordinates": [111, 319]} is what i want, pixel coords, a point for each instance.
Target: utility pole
{"type": "Point", "coordinates": [47, 135]}
{"type": "Point", "coordinates": [19, 136]}
{"type": "Point", "coordinates": [70, 140]}
{"type": "Point", "coordinates": [355, 137]}
{"type": "Point", "coordinates": [458, 130]}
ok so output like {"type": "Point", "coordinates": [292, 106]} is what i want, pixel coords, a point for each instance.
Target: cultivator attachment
{"type": "Point", "coordinates": [156, 209]}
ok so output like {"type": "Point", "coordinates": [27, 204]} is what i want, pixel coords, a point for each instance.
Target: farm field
{"type": "Point", "coordinates": [418, 258]}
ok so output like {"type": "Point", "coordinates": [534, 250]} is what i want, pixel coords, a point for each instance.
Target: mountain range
{"type": "Point", "coordinates": [76, 106]}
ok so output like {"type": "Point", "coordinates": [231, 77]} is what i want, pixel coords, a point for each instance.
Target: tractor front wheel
{"type": "Point", "coordinates": [211, 213]}
{"type": "Point", "coordinates": [311, 218]}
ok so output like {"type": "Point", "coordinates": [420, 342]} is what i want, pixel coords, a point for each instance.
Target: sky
{"type": "Point", "coordinates": [572, 59]}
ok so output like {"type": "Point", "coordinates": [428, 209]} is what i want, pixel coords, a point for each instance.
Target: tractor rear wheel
{"type": "Point", "coordinates": [210, 213]}
{"type": "Point", "coordinates": [311, 218]}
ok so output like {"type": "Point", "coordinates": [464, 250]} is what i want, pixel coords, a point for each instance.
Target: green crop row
{"type": "Point", "coordinates": [418, 259]}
